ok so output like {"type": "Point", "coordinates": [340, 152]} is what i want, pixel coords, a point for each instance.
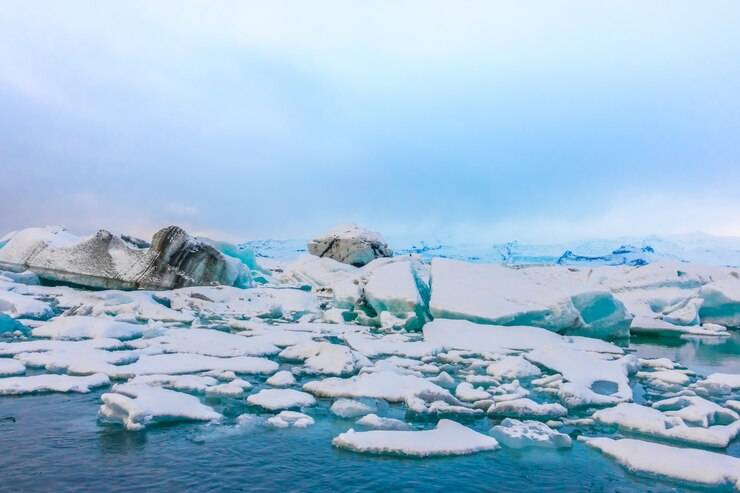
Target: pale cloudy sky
{"type": "Point", "coordinates": [478, 121]}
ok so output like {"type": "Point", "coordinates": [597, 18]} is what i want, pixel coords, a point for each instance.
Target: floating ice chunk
{"type": "Point", "coordinates": [659, 363]}
{"type": "Point", "coordinates": [401, 365]}
{"type": "Point", "coordinates": [443, 380]}
{"type": "Point", "coordinates": [282, 378]}
{"type": "Point", "coordinates": [286, 419]}
{"type": "Point", "coordinates": [466, 392]}
{"type": "Point", "coordinates": [136, 406]}
{"type": "Point", "coordinates": [684, 464]}
{"type": "Point", "coordinates": [10, 367]}
{"type": "Point", "coordinates": [664, 379]}
{"type": "Point", "coordinates": [319, 272]}
{"type": "Point", "coordinates": [390, 345]}
{"type": "Point", "coordinates": [721, 302]}
{"type": "Point", "coordinates": [275, 399]}
{"type": "Point", "coordinates": [392, 287]}
{"type": "Point", "coordinates": [79, 327]}
{"type": "Point", "coordinates": [13, 348]}
{"type": "Point", "coordinates": [265, 302]}
{"type": "Point", "coordinates": [733, 404]}
{"type": "Point", "coordinates": [513, 367]}
{"type": "Point", "coordinates": [554, 297]}
{"type": "Point", "coordinates": [20, 306]}
{"type": "Point", "coordinates": [448, 438]}
{"type": "Point", "coordinates": [591, 380]}
{"type": "Point", "coordinates": [322, 357]}
{"type": "Point", "coordinates": [441, 408]}
{"type": "Point", "coordinates": [51, 383]}
{"type": "Point", "coordinates": [350, 244]}
{"type": "Point", "coordinates": [718, 384]}
{"type": "Point", "coordinates": [662, 327]}
{"type": "Point", "coordinates": [207, 342]}
{"type": "Point", "coordinates": [77, 360]}
{"type": "Point", "coordinates": [697, 411]}
{"type": "Point", "coordinates": [462, 334]}
{"type": "Point", "coordinates": [187, 383]}
{"type": "Point", "coordinates": [352, 408]}
{"type": "Point", "coordinates": [375, 421]}
{"type": "Point", "coordinates": [520, 434]}
{"type": "Point", "coordinates": [509, 392]}
{"type": "Point", "coordinates": [379, 385]}
{"type": "Point", "coordinates": [191, 363]}
{"type": "Point", "coordinates": [125, 305]}
{"type": "Point", "coordinates": [651, 422]}
{"type": "Point", "coordinates": [235, 388]}
{"type": "Point", "coordinates": [527, 408]}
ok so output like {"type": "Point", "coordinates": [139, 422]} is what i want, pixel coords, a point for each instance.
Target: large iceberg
{"type": "Point", "coordinates": [174, 259]}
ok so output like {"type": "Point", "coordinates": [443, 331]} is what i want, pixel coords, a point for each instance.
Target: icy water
{"type": "Point", "coordinates": [54, 443]}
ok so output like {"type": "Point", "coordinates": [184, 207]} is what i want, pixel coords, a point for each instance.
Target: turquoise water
{"type": "Point", "coordinates": [53, 442]}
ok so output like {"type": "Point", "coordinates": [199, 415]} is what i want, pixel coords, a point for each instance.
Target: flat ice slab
{"type": "Point", "coordinates": [275, 399]}
{"type": "Point", "coordinates": [684, 464]}
{"type": "Point", "coordinates": [448, 438]}
{"type": "Point", "coordinates": [51, 383]}
{"type": "Point", "coordinates": [136, 406]}
{"type": "Point", "coordinates": [79, 327]}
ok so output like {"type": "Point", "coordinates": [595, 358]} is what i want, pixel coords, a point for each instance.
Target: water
{"type": "Point", "coordinates": [56, 444]}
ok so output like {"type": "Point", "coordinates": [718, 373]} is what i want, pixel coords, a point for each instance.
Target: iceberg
{"type": "Point", "coordinates": [554, 298]}
{"type": "Point", "coordinates": [174, 259]}
{"type": "Point", "coordinates": [350, 244]}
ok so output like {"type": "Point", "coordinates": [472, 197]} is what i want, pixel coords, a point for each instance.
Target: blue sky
{"type": "Point", "coordinates": [475, 121]}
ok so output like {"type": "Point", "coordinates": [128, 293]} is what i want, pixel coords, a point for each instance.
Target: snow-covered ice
{"type": "Point", "coordinates": [276, 399]}
{"type": "Point", "coordinates": [136, 406]}
{"type": "Point", "coordinates": [513, 433]}
{"type": "Point", "coordinates": [80, 327]}
{"type": "Point", "coordinates": [448, 438]}
{"type": "Point", "coordinates": [51, 383]}
{"type": "Point", "coordinates": [684, 464]}
{"type": "Point", "coordinates": [352, 408]}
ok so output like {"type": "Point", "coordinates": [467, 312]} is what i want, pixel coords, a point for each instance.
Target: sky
{"type": "Point", "coordinates": [471, 121]}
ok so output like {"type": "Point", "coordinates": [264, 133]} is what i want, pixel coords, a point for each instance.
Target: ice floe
{"type": "Point", "coordinates": [275, 399]}
{"type": "Point", "coordinates": [136, 406]}
{"type": "Point", "coordinates": [352, 408]}
{"type": "Point", "coordinates": [283, 378]}
{"type": "Point", "coordinates": [286, 419]}
{"type": "Point", "coordinates": [684, 464]}
{"type": "Point", "coordinates": [81, 327]}
{"type": "Point", "coordinates": [51, 383]}
{"type": "Point", "coordinates": [513, 433]}
{"type": "Point", "coordinates": [10, 367]}
{"type": "Point", "coordinates": [448, 438]}
{"type": "Point", "coordinates": [652, 422]}
{"type": "Point", "coordinates": [380, 423]}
